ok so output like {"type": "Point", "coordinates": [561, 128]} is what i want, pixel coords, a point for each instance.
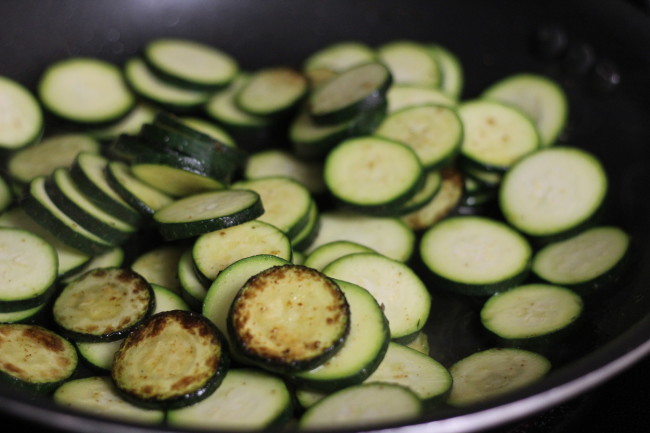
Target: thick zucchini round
{"type": "Point", "coordinates": [35, 358]}
{"type": "Point", "coordinates": [173, 359]}
{"type": "Point", "coordinates": [289, 318]}
{"type": "Point", "coordinates": [28, 269]}
{"type": "Point", "coordinates": [103, 304]}
{"type": "Point", "coordinates": [475, 255]}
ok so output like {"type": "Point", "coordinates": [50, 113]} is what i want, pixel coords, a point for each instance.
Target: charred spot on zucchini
{"type": "Point", "coordinates": [289, 318]}
{"type": "Point", "coordinates": [173, 359]}
{"type": "Point", "coordinates": [103, 304]}
{"type": "Point", "coordinates": [33, 357]}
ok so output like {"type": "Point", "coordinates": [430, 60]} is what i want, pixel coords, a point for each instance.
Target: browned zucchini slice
{"type": "Point", "coordinates": [289, 318]}
{"type": "Point", "coordinates": [173, 359]}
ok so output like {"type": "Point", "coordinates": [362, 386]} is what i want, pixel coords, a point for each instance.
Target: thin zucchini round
{"type": "Point", "coordinates": [325, 63]}
{"type": "Point", "coordinates": [410, 62]}
{"type": "Point", "coordinates": [475, 255]}
{"type": "Point", "coordinates": [417, 371]}
{"type": "Point", "coordinates": [493, 372]}
{"type": "Point", "coordinates": [150, 87]}
{"type": "Point", "coordinates": [349, 93]}
{"type": "Point", "coordinates": [189, 63]}
{"type": "Point", "coordinates": [553, 192]}
{"type": "Point", "coordinates": [363, 406]}
{"type": "Point", "coordinates": [540, 97]}
{"type": "Point", "coordinates": [531, 312]}
{"type": "Point", "coordinates": [404, 297]}
{"type": "Point", "coordinates": [35, 358]}
{"type": "Point", "coordinates": [28, 269]}
{"type": "Point", "coordinates": [326, 253]}
{"type": "Point", "coordinates": [103, 304]}
{"type": "Point", "coordinates": [247, 399]}
{"type": "Point", "coordinates": [21, 117]}
{"type": "Point", "coordinates": [51, 152]}
{"type": "Point", "coordinates": [401, 96]}
{"type": "Point", "coordinates": [206, 212]}
{"type": "Point", "coordinates": [97, 395]}
{"type": "Point", "coordinates": [372, 173]}
{"type": "Point", "coordinates": [589, 259]}
{"type": "Point", "coordinates": [275, 193]}
{"type": "Point", "coordinates": [364, 347]}
{"type": "Point", "coordinates": [140, 195]}
{"type": "Point", "coordinates": [272, 91]}
{"type": "Point", "coordinates": [434, 132]}
{"type": "Point", "coordinates": [289, 318]}
{"type": "Point", "coordinates": [172, 360]}
{"type": "Point", "coordinates": [496, 135]}
{"type": "Point", "coordinates": [85, 90]}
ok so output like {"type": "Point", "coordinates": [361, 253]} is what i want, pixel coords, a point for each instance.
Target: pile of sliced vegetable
{"type": "Point", "coordinates": [189, 243]}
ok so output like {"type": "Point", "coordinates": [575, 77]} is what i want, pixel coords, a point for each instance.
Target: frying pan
{"type": "Point", "coordinates": [598, 51]}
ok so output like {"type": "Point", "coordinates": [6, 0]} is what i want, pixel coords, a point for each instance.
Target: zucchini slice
{"type": "Point", "coordinates": [434, 132]}
{"type": "Point", "coordinates": [325, 254]}
{"type": "Point", "coordinates": [494, 372]}
{"type": "Point", "coordinates": [65, 194]}
{"type": "Point", "coordinates": [140, 195]}
{"type": "Point", "coordinates": [28, 269]}
{"type": "Point", "coordinates": [415, 370]}
{"type": "Point", "coordinates": [214, 251]}
{"type": "Point", "coordinates": [277, 162]}
{"type": "Point", "coordinates": [475, 255]}
{"type": "Point", "coordinates": [272, 91]}
{"type": "Point", "coordinates": [352, 91]}
{"type": "Point", "coordinates": [363, 406]}
{"type": "Point", "coordinates": [159, 265]}
{"type": "Point", "coordinates": [587, 260]}
{"type": "Point", "coordinates": [325, 63]}
{"type": "Point", "coordinates": [190, 63]}
{"type": "Point", "coordinates": [386, 235]}
{"type": "Point", "coordinates": [404, 297]}
{"type": "Point", "coordinates": [247, 399]}
{"type": "Point", "coordinates": [442, 204]}
{"type": "Point", "coordinates": [35, 358]}
{"type": "Point", "coordinates": [206, 212]}
{"type": "Point", "coordinates": [97, 395]}
{"type": "Point", "coordinates": [289, 318]}
{"type": "Point", "coordinates": [275, 193]}
{"type": "Point", "coordinates": [150, 87]}
{"type": "Point", "coordinates": [21, 117]}
{"type": "Point", "coordinates": [554, 192]}
{"type": "Point", "coordinates": [373, 173]}
{"type": "Point", "coordinates": [451, 69]}
{"type": "Point", "coordinates": [364, 347]}
{"type": "Point", "coordinates": [223, 290]}
{"type": "Point", "coordinates": [40, 207]}
{"type": "Point", "coordinates": [103, 304]}
{"type": "Point", "coordinates": [193, 287]}
{"type": "Point", "coordinates": [70, 260]}
{"type": "Point", "coordinates": [85, 90]}
{"type": "Point", "coordinates": [401, 96]}
{"type": "Point", "coordinates": [496, 135]}
{"type": "Point", "coordinates": [532, 312]}
{"type": "Point", "coordinates": [88, 172]}
{"type": "Point", "coordinates": [50, 153]}
{"type": "Point", "coordinates": [410, 63]}
{"type": "Point", "coordinates": [172, 360]}
{"type": "Point", "coordinates": [538, 96]}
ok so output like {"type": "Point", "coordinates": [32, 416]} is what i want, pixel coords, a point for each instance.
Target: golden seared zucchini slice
{"type": "Point", "coordinates": [174, 359]}
{"type": "Point", "coordinates": [103, 304]}
{"type": "Point", "coordinates": [35, 358]}
{"type": "Point", "coordinates": [289, 318]}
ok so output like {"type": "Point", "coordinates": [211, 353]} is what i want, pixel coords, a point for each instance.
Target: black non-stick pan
{"type": "Point", "coordinates": [598, 51]}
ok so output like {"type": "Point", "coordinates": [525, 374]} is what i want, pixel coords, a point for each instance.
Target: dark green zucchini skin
{"type": "Point", "coordinates": [189, 320]}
